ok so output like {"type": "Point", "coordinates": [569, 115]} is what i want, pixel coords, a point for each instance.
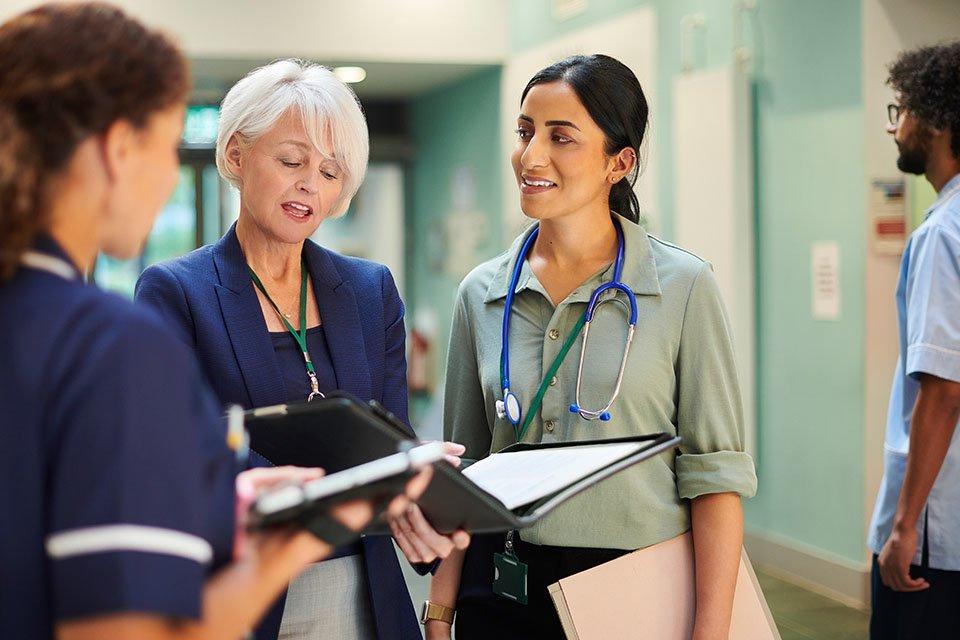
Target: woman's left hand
{"type": "Point", "coordinates": [420, 542]}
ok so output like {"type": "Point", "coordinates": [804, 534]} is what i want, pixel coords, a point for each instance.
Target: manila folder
{"type": "Point", "coordinates": [651, 594]}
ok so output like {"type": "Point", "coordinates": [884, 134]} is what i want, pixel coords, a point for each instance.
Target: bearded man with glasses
{"type": "Point", "coordinates": [915, 529]}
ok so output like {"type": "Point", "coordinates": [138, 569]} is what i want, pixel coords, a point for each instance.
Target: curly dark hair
{"type": "Point", "coordinates": [928, 80]}
{"type": "Point", "coordinates": [68, 71]}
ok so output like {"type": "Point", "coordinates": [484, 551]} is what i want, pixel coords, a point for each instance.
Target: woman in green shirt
{"type": "Point", "coordinates": [579, 131]}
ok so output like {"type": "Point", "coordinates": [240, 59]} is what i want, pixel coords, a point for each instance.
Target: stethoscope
{"type": "Point", "coordinates": [509, 406]}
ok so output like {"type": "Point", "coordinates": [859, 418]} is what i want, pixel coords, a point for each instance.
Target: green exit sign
{"type": "Point", "coordinates": [200, 128]}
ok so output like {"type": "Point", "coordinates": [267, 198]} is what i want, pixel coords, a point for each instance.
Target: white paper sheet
{"type": "Point", "coordinates": [522, 477]}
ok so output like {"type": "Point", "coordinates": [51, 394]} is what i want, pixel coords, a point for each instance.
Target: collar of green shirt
{"type": "Point", "coordinates": [639, 267]}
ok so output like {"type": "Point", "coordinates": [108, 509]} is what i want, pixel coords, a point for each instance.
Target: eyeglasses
{"type": "Point", "coordinates": [893, 113]}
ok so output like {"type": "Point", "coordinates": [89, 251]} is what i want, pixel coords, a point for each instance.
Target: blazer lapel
{"type": "Point", "coordinates": [243, 319]}
{"type": "Point", "coordinates": [341, 323]}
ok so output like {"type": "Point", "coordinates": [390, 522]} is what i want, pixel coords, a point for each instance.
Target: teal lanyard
{"type": "Point", "coordinates": [301, 336]}
{"type": "Point", "coordinates": [545, 384]}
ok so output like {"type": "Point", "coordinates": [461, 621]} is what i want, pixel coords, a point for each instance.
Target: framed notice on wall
{"type": "Point", "coordinates": [888, 215]}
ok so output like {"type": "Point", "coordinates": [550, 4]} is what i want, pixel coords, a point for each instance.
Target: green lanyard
{"type": "Point", "coordinates": [511, 573]}
{"type": "Point", "coordinates": [545, 384]}
{"type": "Point", "coordinates": [301, 336]}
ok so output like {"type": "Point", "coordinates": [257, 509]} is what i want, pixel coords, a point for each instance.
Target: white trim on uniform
{"type": "Point", "coordinates": [48, 263]}
{"type": "Point", "coordinates": [128, 537]}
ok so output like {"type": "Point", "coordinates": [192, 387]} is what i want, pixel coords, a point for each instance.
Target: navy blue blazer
{"type": "Point", "coordinates": [210, 303]}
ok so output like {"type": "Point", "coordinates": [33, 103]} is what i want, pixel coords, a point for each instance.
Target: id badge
{"type": "Point", "coordinates": [510, 577]}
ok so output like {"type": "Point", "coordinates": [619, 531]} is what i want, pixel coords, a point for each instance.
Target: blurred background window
{"type": "Point", "coordinates": [174, 234]}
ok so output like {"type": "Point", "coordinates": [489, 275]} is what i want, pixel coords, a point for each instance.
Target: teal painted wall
{"type": "Point", "coordinates": [453, 126]}
{"type": "Point", "coordinates": [809, 187]}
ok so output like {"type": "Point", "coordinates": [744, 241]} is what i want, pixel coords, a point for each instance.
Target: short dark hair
{"type": "Point", "coordinates": [68, 71]}
{"type": "Point", "coordinates": [928, 80]}
{"type": "Point", "coordinates": [614, 99]}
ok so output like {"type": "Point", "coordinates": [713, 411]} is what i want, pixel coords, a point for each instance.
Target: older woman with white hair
{"type": "Point", "coordinates": [275, 318]}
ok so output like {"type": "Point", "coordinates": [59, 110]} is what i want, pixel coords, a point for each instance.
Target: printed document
{"type": "Point", "coordinates": [520, 478]}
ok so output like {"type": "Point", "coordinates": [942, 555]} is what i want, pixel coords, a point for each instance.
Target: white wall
{"type": "Point", "coordinates": [713, 169]}
{"type": "Point", "coordinates": [889, 26]}
{"type": "Point", "coordinates": [451, 31]}
{"type": "Point", "coordinates": [374, 227]}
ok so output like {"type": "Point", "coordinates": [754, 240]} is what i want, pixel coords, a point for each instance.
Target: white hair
{"type": "Point", "coordinates": [263, 96]}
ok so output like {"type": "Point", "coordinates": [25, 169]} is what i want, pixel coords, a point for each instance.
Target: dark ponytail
{"type": "Point", "coordinates": [614, 99]}
{"type": "Point", "coordinates": [19, 167]}
{"type": "Point", "coordinates": [68, 71]}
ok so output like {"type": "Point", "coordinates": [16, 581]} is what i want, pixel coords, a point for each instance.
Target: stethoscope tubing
{"type": "Point", "coordinates": [509, 407]}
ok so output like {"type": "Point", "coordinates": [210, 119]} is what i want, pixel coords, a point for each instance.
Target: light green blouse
{"type": "Point", "coordinates": [680, 378]}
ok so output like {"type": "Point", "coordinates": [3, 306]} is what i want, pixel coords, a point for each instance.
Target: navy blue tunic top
{"type": "Point", "coordinates": [117, 483]}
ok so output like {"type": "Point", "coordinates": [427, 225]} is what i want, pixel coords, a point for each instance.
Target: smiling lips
{"type": "Point", "coordinates": [530, 185]}
{"type": "Point", "coordinates": [297, 210]}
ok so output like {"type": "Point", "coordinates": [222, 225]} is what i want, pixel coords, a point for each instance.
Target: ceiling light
{"type": "Point", "coordinates": [350, 74]}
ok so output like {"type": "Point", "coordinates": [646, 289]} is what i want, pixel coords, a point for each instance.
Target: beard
{"type": "Point", "coordinates": [914, 153]}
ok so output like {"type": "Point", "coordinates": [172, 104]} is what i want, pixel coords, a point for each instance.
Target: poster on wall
{"type": "Point", "coordinates": [888, 215]}
{"type": "Point", "coordinates": [825, 278]}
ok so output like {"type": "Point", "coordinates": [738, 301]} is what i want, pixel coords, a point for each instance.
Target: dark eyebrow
{"type": "Point", "coordinates": [561, 123]}
{"type": "Point", "coordinates": [550, 123]}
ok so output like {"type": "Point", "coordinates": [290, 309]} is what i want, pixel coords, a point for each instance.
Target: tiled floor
{"type": "Point", "coordinates": [804, 615]}
{"type": "Point", "coordinates": [800, 614]}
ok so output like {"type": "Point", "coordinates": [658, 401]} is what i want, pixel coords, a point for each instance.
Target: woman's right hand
{"type": "Point", "coordinates": [437, 630]}
{"type": "Point", "coordinates": [301, 546]}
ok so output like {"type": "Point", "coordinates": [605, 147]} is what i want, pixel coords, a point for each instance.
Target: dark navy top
{"type": "Point", "coordinates": [297, 384]}
{"type": "Point", "coordinates": [117, 483]}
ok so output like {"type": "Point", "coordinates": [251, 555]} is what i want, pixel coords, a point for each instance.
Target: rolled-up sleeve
{"type": "Point", "coordinates": [709, 411]}
{"type": "Point", "coordinates": [933, 305]}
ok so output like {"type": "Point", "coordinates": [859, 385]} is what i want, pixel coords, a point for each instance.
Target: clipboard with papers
{"type": "Point", "coordinates": [511, 489]}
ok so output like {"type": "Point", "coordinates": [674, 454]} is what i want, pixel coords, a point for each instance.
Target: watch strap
{"type": "Point", "coordinates": [434, 611]}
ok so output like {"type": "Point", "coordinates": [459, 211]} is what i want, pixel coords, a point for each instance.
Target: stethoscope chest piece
{"type": "Point", "coordinates": [509, 407]}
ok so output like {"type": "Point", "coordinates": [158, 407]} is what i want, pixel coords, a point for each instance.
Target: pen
{"type": "Point", "coordinates": [237, 438]}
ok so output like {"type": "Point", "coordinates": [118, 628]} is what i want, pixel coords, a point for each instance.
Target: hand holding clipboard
{"type": "Point", "coordinates": [385, 484]}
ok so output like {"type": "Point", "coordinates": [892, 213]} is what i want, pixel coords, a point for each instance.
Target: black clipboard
{"type": "Point", "coordinates": [336, 432]}
{"type": "Point", "coordinates": [379, 480]}
{"type": "Point", "coordinates": [340, 431]}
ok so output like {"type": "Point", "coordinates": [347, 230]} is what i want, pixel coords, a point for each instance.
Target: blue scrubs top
{"type": "Point", "coordinates": [116, 483]}
{"type": "Point", "coordinates": [928, 312]}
